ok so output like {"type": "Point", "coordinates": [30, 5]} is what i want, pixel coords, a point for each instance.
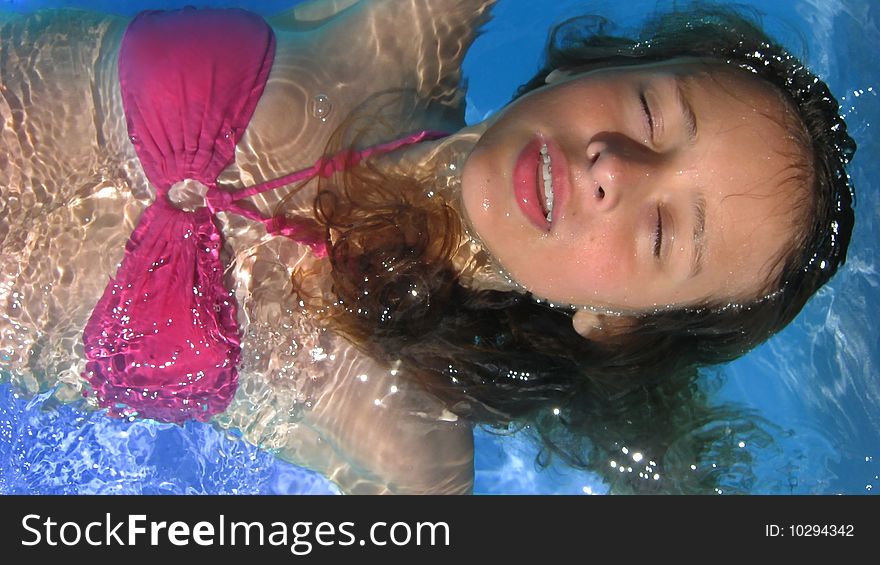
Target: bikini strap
{"type": "Point", "coordinates": [302, 229]}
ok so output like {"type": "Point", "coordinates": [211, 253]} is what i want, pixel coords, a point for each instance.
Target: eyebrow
{"type": "Point", "coordinates": [690, 119]}
{"type": "Point", "coordinates": [699, 209]}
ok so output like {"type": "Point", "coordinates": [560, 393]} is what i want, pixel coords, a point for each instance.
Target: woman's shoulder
{"type": "Point", "coordinates": [315, 13]}
{"type": "Point", "coordinates": [425, 39]}
{"type": "Point", "coordinates": [371, 56]}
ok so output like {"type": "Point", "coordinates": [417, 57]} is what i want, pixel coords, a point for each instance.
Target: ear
{"type": "Point", "coordinates": [600, 327]}
{"type": "Point", "coordinates": [559, 75]}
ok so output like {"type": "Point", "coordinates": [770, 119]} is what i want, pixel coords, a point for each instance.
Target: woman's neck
{"type": "Point", "coordinates": [443, 161]}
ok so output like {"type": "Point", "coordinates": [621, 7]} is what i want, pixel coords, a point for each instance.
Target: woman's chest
{"type": "Point", "coordinates": [319, 99]}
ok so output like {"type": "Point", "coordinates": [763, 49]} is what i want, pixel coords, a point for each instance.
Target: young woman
{"type": "Point", "coordinates": [567, 263]}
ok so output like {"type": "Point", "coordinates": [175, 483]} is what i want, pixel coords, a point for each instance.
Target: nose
{"type": "Point", "coordinates": [613, 174]}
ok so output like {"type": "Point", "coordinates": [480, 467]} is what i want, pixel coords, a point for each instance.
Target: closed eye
{"type": "Point", "coordinates": [658, 234]}
{"type": "Point", "coordinates": [646, 109]}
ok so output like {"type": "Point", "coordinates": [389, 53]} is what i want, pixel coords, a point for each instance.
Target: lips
{"type": "Point", "coordinates": [528, 186]}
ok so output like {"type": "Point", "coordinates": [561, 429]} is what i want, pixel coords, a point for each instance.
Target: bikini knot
{"type": "Point", "coordinates": [188, 195]}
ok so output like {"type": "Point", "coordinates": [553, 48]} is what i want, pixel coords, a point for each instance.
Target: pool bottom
{"type": "Point", "coordinates": [51, 448]}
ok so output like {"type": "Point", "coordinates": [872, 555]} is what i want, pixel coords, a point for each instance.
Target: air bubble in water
{"type": "Point", "coordinates": [321, 107]}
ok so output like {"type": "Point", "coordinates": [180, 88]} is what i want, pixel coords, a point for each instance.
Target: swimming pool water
{"type": "Point", "coordinates": [818, 382]}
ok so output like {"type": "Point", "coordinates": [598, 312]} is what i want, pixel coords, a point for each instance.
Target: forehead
{"type": "Point", "coordinates": [748, 164]}
{"type": "Point", "coordinates": [714, 74]}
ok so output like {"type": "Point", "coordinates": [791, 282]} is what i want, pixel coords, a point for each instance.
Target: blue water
{"type": "Point", "coordinates": [818, 381]}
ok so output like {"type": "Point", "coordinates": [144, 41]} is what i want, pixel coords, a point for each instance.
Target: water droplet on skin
{"type": "Point", "coordinates": [320, 107]}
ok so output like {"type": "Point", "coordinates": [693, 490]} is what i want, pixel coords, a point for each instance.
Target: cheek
{"type": "Point", "coordinates": [479, 188]}
{"type": "Point", "coordinates": [590, 269]}
{"type": "Point", "coordinates": [597, 264]}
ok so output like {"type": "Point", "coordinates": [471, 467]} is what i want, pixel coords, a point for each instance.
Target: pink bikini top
{"type": "Point", "coordinates": [163, 341]}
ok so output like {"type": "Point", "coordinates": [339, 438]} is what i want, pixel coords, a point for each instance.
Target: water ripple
{"type": "Point", "coordinates": [49, 448]}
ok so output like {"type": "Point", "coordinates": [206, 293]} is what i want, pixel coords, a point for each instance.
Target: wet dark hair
{"type": "Point", "coordinates": [500, 357]}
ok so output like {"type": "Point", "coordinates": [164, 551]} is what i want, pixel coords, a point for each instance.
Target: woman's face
{"type": "Point", "coordinates": [668, 181]}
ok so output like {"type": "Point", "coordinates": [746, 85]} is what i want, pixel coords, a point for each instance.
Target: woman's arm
{"type": "Point", "coordinates": [362, 426]}
{"type": "Point", "coordinates": [70, 187]}
{"type": "Point", "coordinates": [387, 435]}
